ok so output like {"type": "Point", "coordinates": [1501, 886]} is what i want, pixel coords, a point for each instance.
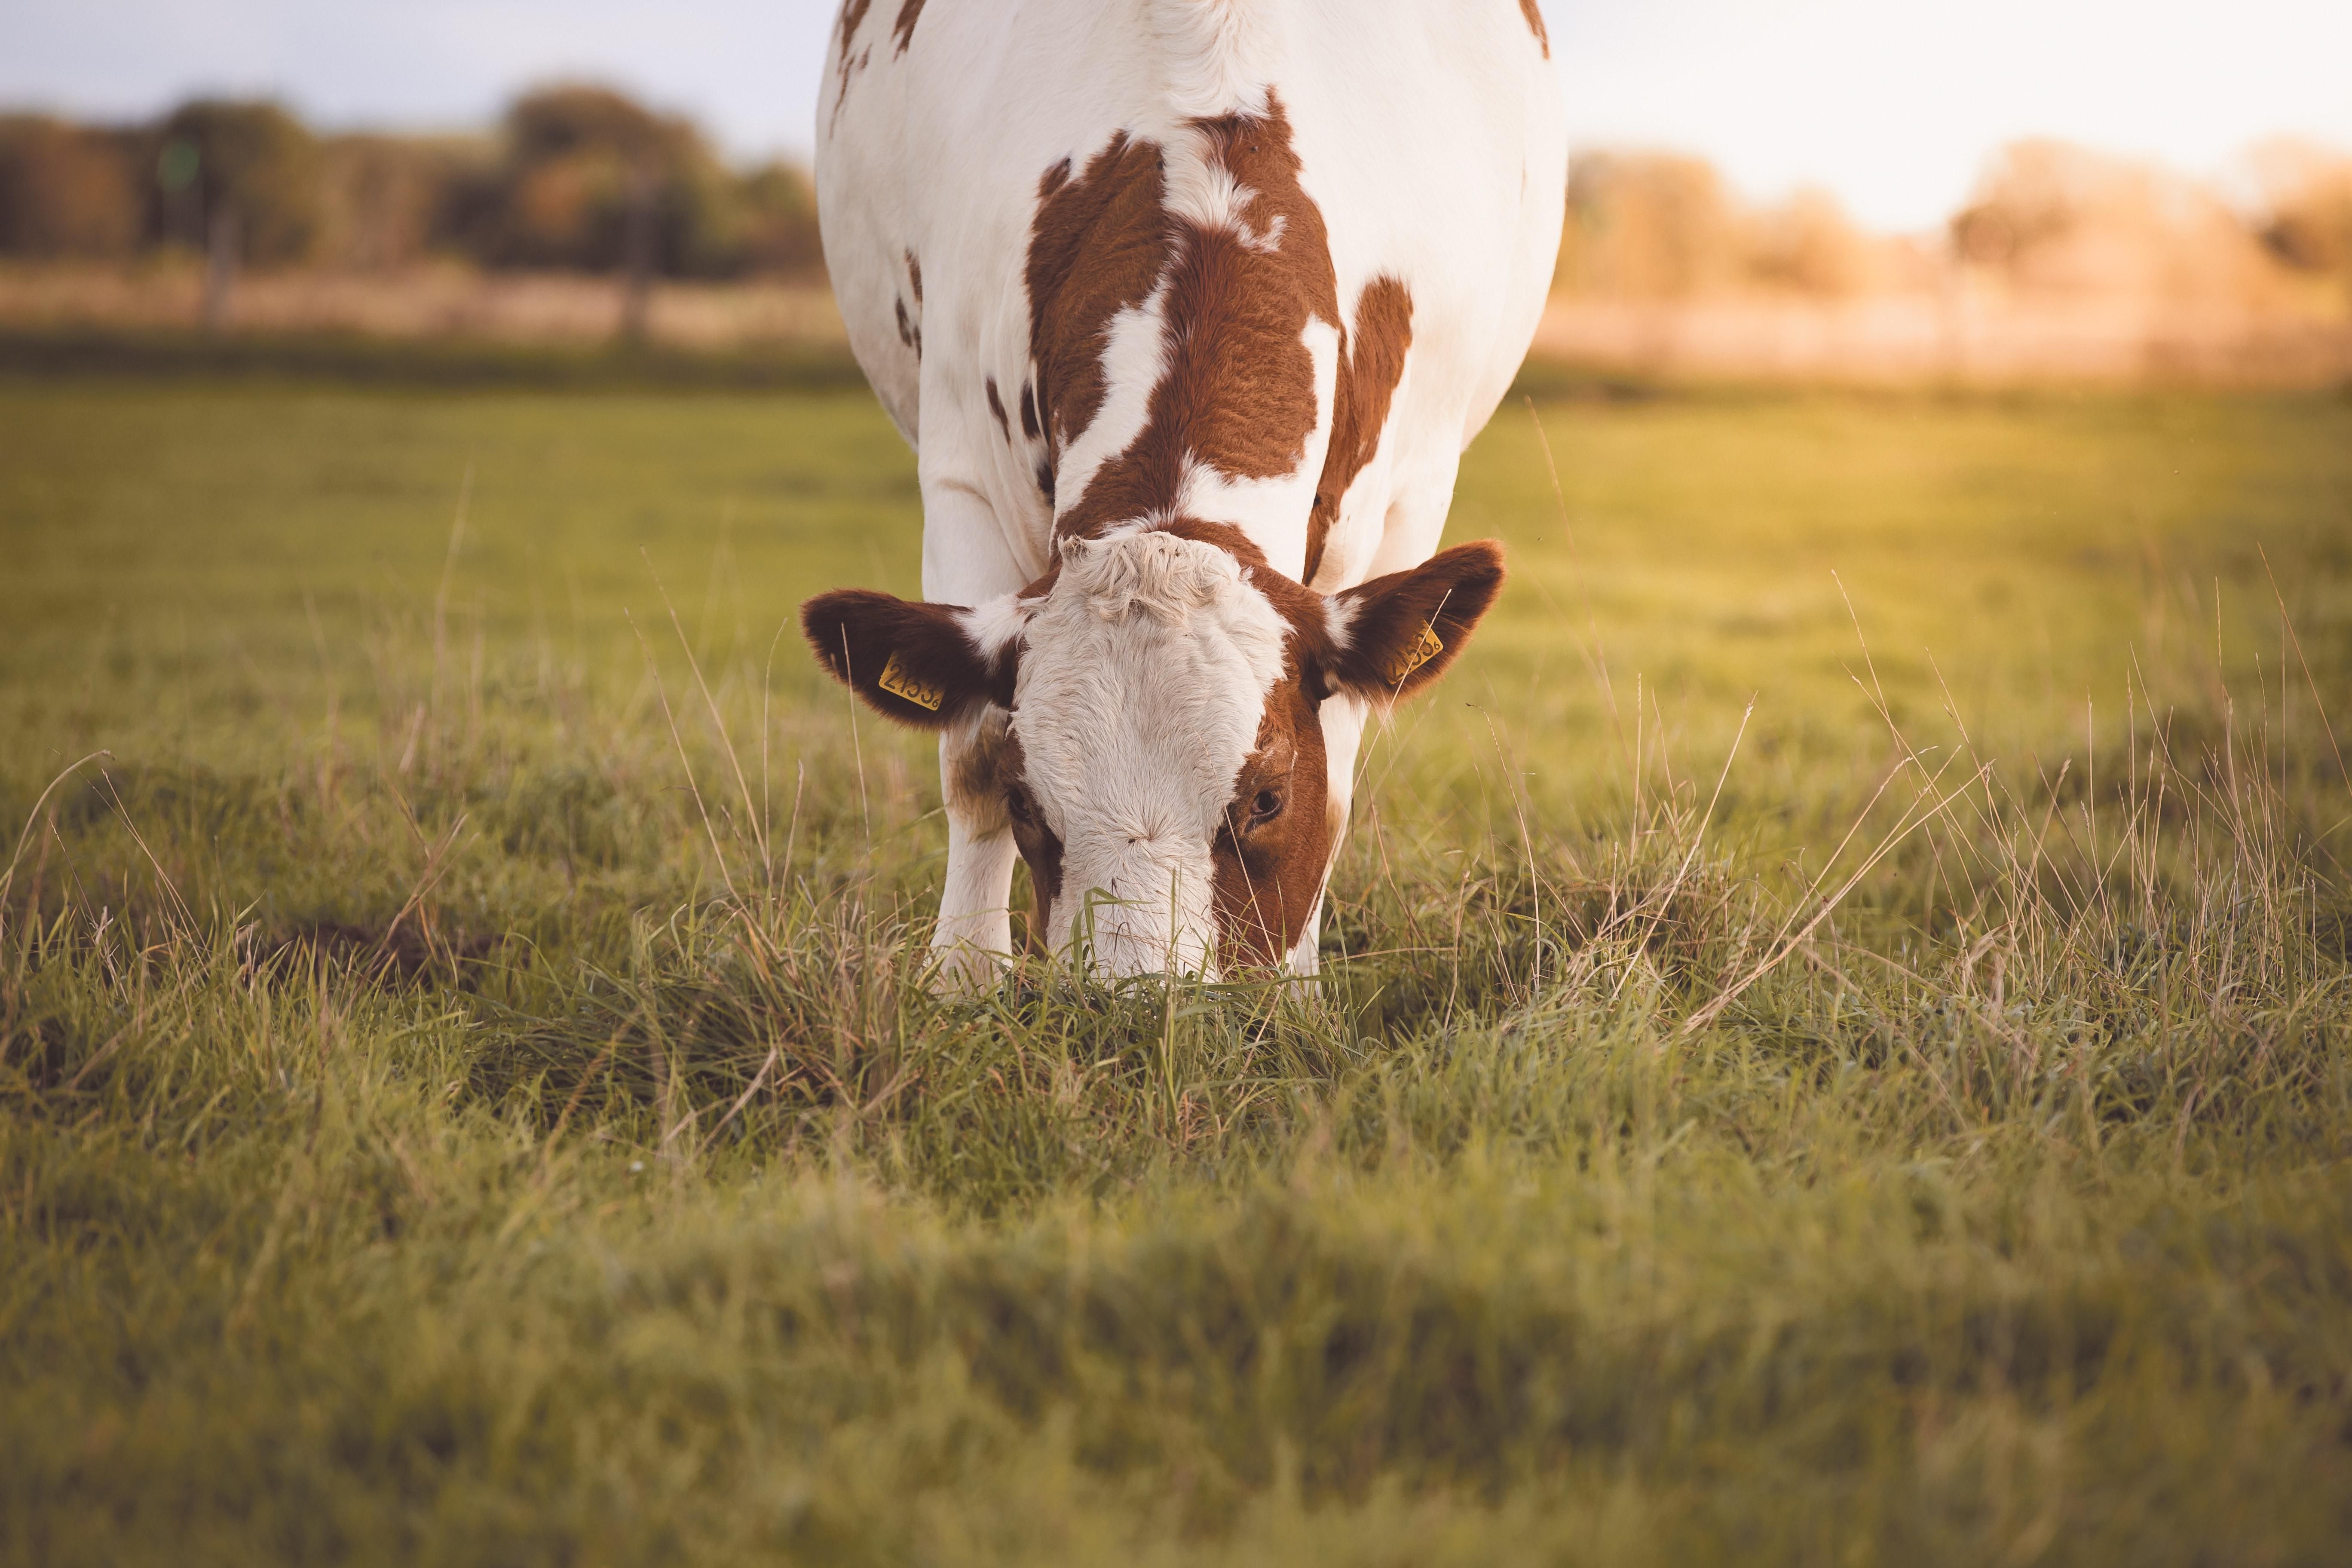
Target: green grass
{"type": "Point", "coordinates": [468, 1094]}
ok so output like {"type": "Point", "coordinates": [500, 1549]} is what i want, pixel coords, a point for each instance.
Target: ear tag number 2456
{"type": "Point", "coordinates": [899, 684]}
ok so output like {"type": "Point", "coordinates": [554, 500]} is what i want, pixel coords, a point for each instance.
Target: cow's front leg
{"type": "Point", "coordinates": [974, 937]}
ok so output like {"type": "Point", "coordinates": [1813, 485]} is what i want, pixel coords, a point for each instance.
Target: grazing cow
{"type": "Point", "coordinates": [1188, 308]}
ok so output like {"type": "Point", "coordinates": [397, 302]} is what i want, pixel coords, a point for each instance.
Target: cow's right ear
{"type": "Point", "coordinates": [911, 661]}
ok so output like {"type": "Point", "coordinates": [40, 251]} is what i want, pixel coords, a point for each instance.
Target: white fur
{"type": "Point", "coordinates": [1142, 681]}
{"type": "Point", "coordinates": [995, 625]}
{"type": "Point", "coordinates": [1340, 621]}
{"type": "Point", "coordinates": [1430, 138]}
{"type": "Point", "coordinates": [1214, 53]}
{"type": "Point", "coordinates": [975, 929]}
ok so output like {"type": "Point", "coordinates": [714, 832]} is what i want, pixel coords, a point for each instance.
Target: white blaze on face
{"type": "Point", "coordinates": [1142, 682]}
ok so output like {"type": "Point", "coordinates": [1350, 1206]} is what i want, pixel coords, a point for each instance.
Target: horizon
{"type": "Point", "coordinates": [1893, 110]}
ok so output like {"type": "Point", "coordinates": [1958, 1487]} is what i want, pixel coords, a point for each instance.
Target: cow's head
{"type": "Point", "coordinates": [1147, 720]}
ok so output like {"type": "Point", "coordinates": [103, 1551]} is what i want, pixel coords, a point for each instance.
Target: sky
{"type": "Point", "coordinates": [1891, 105]}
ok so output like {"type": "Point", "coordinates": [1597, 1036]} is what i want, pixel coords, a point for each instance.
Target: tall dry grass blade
{"type": "Point", "coordinates": [661, 694]}
{"type": "Point", "coordinates": [8, 876]}
{"type": "Point", "coordinates": [1527, 850]}
{"type": "Point", "coordinates": [2310, 681]}
{"type": "Point", "coordinates": [710, 706]}
{"type": "Point", "coordinates": [1591, 652]}
{"type": "Point", "coordinates": [775, 1055]}
{"type": "Point", "coordinates": [857, 745]}
{"type": "Point", "coordinates": [767, 691]}
{"type": "Point", "coordinates": [114, 798]}
{"type": "Point", "coordinates": [441, 593]}
{"type": "Point", "coordinates": [1903, 830]}
{"type": "Point", "coordinates": [1660, 903]}
{"type": "Point", "coordinates": [436, 865]}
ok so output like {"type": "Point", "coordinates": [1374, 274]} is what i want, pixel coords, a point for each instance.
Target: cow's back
{"type": "Point", "coordinates": [1426, 132]}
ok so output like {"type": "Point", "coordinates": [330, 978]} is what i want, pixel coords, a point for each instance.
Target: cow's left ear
{"type": "Point", "coordinates": [1394, 634]}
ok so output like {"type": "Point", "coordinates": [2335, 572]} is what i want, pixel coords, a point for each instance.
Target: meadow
{"type": "Point", "coordinates": [1833, 1046]}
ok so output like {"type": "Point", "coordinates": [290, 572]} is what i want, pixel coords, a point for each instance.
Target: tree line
{"type": "Point", "coordinates": [583, 178]}
{"type": "Point", "coordinates": [2047, 217]}
{"type": "Point", "coordinates": [575, 177]}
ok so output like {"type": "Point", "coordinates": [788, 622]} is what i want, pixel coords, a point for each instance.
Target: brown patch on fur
{"type": "Point", "coordinates": [853, 12]}
{"type": "Point", "coordinates": [1372, 363]}
{"type": "Point", "coordinates": [1238, 390]}
{"type": "Point", "coordinates": [1040, 849]}
{"type": "Point", "coordinates": [915, 276]}
{"type": "Point", "coordinates": [1097, 245]}
{"type": "Point", "coordinates": [1269, 871]}
{"type": "Point", "coordinates": [903, 29]}
{"type": "Point", "coordinates": [977, 776]}
{"type": "Point", "coordinates": [1029, 410]}
{"type": "Point", "coordinates": [1037, 588]}
{"type": "Point", "coordinates": [909, 334]}
{"type": "Point", "coordinates": [1536, 25]}
{"type": "Point", "coordinates": [996, 406]}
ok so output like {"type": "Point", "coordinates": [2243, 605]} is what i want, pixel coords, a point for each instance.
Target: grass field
{"type": "Point", "coordinates": [467, 1093]}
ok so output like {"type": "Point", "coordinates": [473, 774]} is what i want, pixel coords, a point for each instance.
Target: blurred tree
{"type": "Point", "coordinates": [2305, 205]}
{"type": "Point", "coordinates": [578, 161]}
{"type": "Point", "coordinates": [590, 180]}
{"type": "Point", "coordinates": [1653, 225]}
{"type": "Point", "coordinates": [65, 191]}
{"type": "Point", "coordinates": [2060, 220]}
{"type": "Point", "coordinates": [581, 178]}
{"type": "Point", "coordinates": [779, 232]}
{"type": "Point", "coordinates": [247, 176]}
{"type": "Point", "coordinates": [251, 159]}
{"type": "Point", "coordinates": [2031, 195]}
{"type": "Point", "coordinates": [387, 199]}
{"type": "Point", "coordinates": [1806, 244]}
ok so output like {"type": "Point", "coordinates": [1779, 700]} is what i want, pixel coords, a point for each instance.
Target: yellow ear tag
{"type": "Point", "coordinates": [1421, 653]}
{"type": "Point", "coordinates": [898, 683]}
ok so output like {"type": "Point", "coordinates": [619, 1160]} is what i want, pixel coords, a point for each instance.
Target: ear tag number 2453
{"type": "Point", "coordinates": [899, 684]}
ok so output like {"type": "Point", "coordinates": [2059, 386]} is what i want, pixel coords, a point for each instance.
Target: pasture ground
{"type": "Point", "coordinates": [466, 1092]}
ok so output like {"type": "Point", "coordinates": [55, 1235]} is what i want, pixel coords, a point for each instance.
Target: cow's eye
{"type": "Point", "coordinates": [1265, 806]}
{"type": "Point", "coordinates": [1019, 807]}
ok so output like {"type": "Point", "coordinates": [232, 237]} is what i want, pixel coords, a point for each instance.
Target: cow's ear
{"type": "Point", "coordinates": [911, 661]}
{"type": "Point", "coordinates": [1394, 634]}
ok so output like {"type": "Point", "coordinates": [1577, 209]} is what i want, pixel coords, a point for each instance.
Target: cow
{"type": "Point", "coordinates": [1188, 309]}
